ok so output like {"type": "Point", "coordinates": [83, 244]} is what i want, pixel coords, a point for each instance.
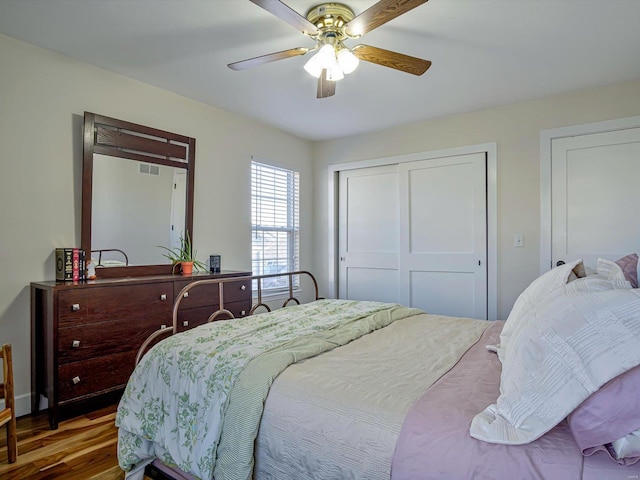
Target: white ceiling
{"type": "Point", "coordinates": [484, 53]}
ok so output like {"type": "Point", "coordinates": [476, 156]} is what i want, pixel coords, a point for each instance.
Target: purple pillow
{"type": "Point", "coordinates": [610, 413]}
{"type": "Point", "coordinates": [629, 266]}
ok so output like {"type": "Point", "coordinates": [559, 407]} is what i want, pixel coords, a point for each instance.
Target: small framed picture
{"type": "Point", "coordinates": [214, 263]}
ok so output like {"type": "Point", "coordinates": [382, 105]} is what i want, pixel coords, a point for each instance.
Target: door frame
{"type": "Point", "coordinates": [546, 138]}
{"type": "Point", "coordinates": [490, 149]}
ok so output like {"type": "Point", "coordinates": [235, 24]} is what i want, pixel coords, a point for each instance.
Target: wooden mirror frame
{"type": "Point", "coordinates": [117, 138]}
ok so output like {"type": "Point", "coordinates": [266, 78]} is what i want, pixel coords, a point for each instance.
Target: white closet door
{"type": "Point", "coordinates": [416, 233]}
{"type": "Point", "coordinates": [594, 186]}
{"type": "Point", "coordinates": [369, 229]}
{"type": "Point", "coordinates": [443, 249]}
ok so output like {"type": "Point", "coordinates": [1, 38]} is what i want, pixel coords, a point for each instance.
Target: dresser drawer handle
{"type": "Point", "coordinates": [75, 343]}
{"type": "Point", "coordinates": [163, 296]}
{"type": "Point", "coordinates": [162, 327]}
{"type": "Point", "coordinates": [185, 294]}
{"type": "Point", "coordinates": [185, 323]}
{"type": "Point", "coordinates": [243, 287]}
{"type": "Point", "coordinates": [75, 307]}
{"type": "Point", "coordinates": [243, 313]}
{"type": "Point", "coordinates": [75, 380]}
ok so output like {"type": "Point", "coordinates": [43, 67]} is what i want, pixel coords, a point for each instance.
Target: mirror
{"type": "Point", "coordinates": [137, 193]}
{"type": "Point", "coordinates": [135, 205]}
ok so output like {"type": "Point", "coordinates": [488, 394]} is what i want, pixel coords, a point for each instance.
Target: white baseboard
{"type": "Point", "coordinates": [23, 404]}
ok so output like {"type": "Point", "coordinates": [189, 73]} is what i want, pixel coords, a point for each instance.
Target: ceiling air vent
{"type": "Point", "coordinates": [149, 169]}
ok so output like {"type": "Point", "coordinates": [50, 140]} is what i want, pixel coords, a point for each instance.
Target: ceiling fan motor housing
{"type": "Point", "coordinates": [330, 19]}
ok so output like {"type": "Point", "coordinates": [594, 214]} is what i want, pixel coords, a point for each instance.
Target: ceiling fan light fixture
{"type": "Point", "coordinates": [347, 60]}
{"type": "Point", "coordinates": [313, 67]}
{"type": "Point", "coordinates": [334, 73]}
{"type": "Point", "coordinates": [325, 59]}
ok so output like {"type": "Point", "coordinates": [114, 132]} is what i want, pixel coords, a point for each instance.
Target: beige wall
{"type": "Point", "coordinates": [42, 99]}
{"type": "Point", "coordinates": [43, 96]}
{"type": "Point", "coordinates": [516, 130]}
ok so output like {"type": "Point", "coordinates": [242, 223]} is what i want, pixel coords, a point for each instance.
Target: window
{"type": "Point", "coordinates": [275, 234]}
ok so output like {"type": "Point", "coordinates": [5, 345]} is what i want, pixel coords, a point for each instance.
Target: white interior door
{"type": "Point", "coordinates": [594, 180]}
{"type": "Point", "coordinates": [443, 253]}
{"type": "Point", "coordinates": [416, 233]}
{"type": "Point", "coordinates": [178, 207]}
{"type": "Point", "coordinates": [369, 229]}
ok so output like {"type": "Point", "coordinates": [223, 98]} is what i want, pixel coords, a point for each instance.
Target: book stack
{"type": "Point", "coordinates": [70, 264]}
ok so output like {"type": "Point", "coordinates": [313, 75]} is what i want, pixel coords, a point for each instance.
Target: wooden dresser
{"type": "Point", "coordinates": [85, 336]}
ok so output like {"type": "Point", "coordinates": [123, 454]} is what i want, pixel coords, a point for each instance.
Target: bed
{"type": "Point", "coordinates": [108, 261]}
{"type": "Point", "coordinates": [341, 389]}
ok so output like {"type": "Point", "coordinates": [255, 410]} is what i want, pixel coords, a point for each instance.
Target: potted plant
{"type": "Point", "coordinates": [185, 255]}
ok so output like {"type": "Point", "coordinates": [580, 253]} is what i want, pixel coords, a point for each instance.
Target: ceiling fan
{"type": "Point", "coordinates": [330, 24]}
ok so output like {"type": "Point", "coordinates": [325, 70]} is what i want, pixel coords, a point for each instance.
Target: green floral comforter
{"type": "Point", "coordinates": [195, 400]}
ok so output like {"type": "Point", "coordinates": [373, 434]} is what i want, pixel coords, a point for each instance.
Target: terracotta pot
{"type": "Point", "coordinates": [186, 268]}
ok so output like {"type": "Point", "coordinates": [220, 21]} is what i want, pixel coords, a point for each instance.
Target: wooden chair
{"type": "Point", "coordinates": [8, 414]}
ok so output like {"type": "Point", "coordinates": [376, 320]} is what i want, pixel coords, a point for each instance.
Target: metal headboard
{"type": "Point", "coordinates": [221, 309]}
{"type": "Point", "coordinates": [103, 250]}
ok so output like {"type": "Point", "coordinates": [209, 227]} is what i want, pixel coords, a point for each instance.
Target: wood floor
{"type": "Point", "coordinates": [83, 448]}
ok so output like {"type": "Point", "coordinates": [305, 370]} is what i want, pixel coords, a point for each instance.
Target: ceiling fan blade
{"type": "Point", "coordinates": [286, 13]}
{"type": "Point", "coordinates": [387, 58]}
{"type": "Point", "coordinates": [379, 14]}
{"type": "Point", "coordinates": [272, 57]}
{"type": "Point", "coordinates": [326, 88]}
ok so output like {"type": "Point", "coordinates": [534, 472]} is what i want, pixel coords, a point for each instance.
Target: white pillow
{"type": "Point", "coordinates": [609, 275]}
{"type": "Point", "coordinates": [567, 347]}
{"type": "Point", "coordinates": [612, 272]}
{"type": "Point", "coordinates": [592, 283]}
{"type": "Point", "coordinates": [537, 290]}
{"type": "Point", "coordinates": [627, 446]}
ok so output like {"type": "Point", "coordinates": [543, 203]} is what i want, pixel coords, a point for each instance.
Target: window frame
{"type": "Point", "coordinates": [260, 173]}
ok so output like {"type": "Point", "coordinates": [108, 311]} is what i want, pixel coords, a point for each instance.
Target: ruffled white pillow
{"type": "Point", "coordinates": [572, 276]}
{"type": "Point", "coordinates": [537, 290]}
{"type": "Point", "coordinates": [566, 347]}
{"type": "Point", "coordinates": [612, 272]}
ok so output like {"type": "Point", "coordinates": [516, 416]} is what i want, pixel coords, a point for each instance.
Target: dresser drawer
{"type": "Point", "coordinates": [88, 341]}
{"type": "Point", "coordinates": [208, 294]}
{"type": "Point", "coordinates": [198, 316]}
{"type": "Point", "coordinates": [73, 303]}
{"type": "Point", "coordinates": [237, 291]}
{"type": "Point", "coordinates": [95, 376]}
{"type": "Point", "coordinates": [109, 302]}
{"type": "Point", "coordinates": [239, 309]}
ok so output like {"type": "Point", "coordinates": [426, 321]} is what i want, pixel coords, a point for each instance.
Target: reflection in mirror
{"type": "Point", "coordinates": [136, 206]}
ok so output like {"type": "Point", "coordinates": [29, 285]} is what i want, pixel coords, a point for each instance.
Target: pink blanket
{"type": "Point", "coordinates": [434, 442]}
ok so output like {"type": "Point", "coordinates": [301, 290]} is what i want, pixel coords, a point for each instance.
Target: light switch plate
{"type": "Point", "coordinates": [518, 240]}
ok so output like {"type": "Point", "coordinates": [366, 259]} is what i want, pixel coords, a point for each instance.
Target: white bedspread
{"type": "Point", "coordinates": [347, 420]}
